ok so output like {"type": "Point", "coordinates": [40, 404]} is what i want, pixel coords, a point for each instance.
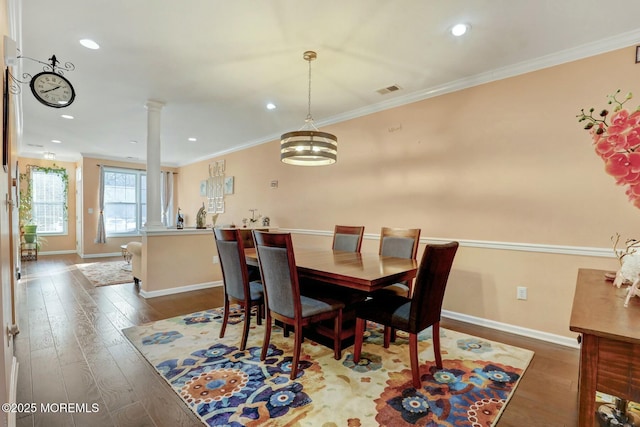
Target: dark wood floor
{"type": "Point", "coordinates": [71, 349]}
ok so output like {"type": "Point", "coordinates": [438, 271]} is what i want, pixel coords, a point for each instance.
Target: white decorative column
{"type": "Point", "coordinates": [154, 214]}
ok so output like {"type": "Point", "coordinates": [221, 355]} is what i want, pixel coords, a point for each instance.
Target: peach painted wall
{"type": "Point", "coordinates": [62, 243]}
{"type": "Point", "coordinates": [502, 162]}
{"type": "Point", "coordinates": [188, 192]}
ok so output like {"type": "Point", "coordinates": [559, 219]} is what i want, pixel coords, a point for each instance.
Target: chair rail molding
{"type": "Point", "coordinates": [486, 244]}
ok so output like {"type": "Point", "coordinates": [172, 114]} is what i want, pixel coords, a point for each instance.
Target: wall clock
{"type": "Point", "coordinates": [52, 89]}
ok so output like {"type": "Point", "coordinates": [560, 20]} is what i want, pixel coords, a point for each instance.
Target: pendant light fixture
{"type": "Point", "coordinates": [308, 146]}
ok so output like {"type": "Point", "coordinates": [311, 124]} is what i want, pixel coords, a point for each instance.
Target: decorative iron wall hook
{"type": "Point", "coordinates": [53, 66]}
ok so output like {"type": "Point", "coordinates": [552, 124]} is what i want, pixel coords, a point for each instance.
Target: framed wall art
{"type": "Point", "coordinates": [228, 185]}
{"type": "Point", "coordinates": [215, 187]}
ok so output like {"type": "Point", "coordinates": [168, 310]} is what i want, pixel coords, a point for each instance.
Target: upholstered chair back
{"type": "Point", "coordinates": [232, 261]}
{"type": "Point", "coordinates": [278, 270]}
{"type": "Point", "coordinates": [347, 238]}
{"type": "Point", "coordinates": [430, 284]}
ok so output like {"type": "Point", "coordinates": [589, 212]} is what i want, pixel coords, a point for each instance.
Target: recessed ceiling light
{"type": "Point", "coordinates": [271, 106]}
{"type": "Point", "coordinates": [67, 116]}
{"type": "Point", "coordinates": [192, 139]}
{"type": "Point", "coordinates": [89, 44]}
{"type": "Point", "coordinates": [459, 29]}
{"type": "Point", "coordinates": [133, 141]}
{"type": "Point", "coordinates": [56, 141]}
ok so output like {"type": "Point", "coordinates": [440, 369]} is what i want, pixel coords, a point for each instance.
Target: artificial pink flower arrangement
{"type": "Point", "coordinates": [616, 139]}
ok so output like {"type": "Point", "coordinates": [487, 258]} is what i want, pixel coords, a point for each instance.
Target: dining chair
{"type": "Point", "coordinates": [347, 238]}
{"type": "Point", "coordinates": [238, 288]}
{"type": "Point", "coordinates": [414, 314]}
{"type": "Point", "coordinates": [282, 294]}
{"type": "Point", "coordinates": [399, 243]}
{"type": "Point", "coordinates": [247, 240]}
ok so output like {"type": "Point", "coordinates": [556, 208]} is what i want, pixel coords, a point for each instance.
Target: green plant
{"type": "Point", "coordinates": [24, 209]}
{"type": "Point", "coordinates": [25, 212]}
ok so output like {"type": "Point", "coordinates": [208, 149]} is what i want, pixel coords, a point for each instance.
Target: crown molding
{"type": "Point", "coordinates": [620, 41]}
{"type": "Point", "coordinates": [609, 44]}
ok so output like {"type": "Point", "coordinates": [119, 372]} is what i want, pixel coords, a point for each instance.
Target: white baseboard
{"type": "Point", "coordinates": [179, 289]}
{"type": "Point", "coordinates": [518, 330]}
{"type": "Point", "coordinates": [57, 252]}
{"type": "Point", "coordinates": [99, 255]}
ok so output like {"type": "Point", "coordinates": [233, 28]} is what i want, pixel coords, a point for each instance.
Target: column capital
{"type": "Point", "coordinates": [154, 105]}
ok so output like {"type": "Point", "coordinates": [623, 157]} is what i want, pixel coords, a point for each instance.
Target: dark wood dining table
{"type": "Point", "coordinates": [366, 272]}
{"type": "Point", "coordinates": [352, 271]}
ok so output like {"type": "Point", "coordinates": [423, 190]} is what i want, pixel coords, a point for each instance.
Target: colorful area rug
{"type": "Point", "coordinates": [226, 386]}
{"type": "Point", "coordinates": [106, 273]}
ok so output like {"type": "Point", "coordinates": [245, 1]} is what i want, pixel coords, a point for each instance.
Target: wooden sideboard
{"type": "Point", "coordinates": [610, 348]}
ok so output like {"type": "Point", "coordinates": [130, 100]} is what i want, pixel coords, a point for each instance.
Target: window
{"type": "Point", "coordinates": [125, 197]}
{"type": "Point", "coordinates": [49, 200]}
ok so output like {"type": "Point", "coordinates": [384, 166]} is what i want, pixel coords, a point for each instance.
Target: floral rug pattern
{"type": "Point", "coordinates": [226, 386]}
{"type": "Point", "coordinates": [106, 273]}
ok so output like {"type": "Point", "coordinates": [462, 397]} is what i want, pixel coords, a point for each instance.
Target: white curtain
{"type": "Point", "coordinates": [166, 198]}
{"type": "Point", "coordinates": [101, 236]}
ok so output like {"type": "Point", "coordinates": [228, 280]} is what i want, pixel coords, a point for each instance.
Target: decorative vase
{"type": "Point", "coordinates": [201, 217]}
{"type": "Point", "coordinates": [179, 220]}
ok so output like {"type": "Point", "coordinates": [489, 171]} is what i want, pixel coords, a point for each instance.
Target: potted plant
{"type": "Point", "coordinates": [30, 232]}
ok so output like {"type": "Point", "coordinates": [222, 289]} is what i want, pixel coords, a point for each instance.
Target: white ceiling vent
{"type": "Point", "coordinates": [388, 89]}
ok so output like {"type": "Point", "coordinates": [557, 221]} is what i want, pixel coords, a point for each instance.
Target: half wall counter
{"type": "Point", "coordinates": [175, 261]}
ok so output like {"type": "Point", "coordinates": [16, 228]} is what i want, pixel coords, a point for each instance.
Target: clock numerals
{"type": "Point", "coordinates": [52, 89]}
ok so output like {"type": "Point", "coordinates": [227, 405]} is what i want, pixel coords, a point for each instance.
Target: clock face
{"type": "Point", "coordinates": [52, 89]}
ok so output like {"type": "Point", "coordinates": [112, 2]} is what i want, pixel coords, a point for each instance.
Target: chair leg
{"type": "Point", "coordinates": [267, 336]}
{"type": "Point", "coordinates": [337, 336]}
{"type": "Point", "coordinates": [225, 317]}
{"type": "Point", "coordinates": [245, 329]}
{"type": "Point", "coordinates": [435, 332]}
{"type": "Point", "coordinates": [357, 344]}
{"type": "Point", "coordinates": [297, 331]}
{"type": "Point", "coordinates": [388, 333]}
{"type": "Point", "coordinates": [259, 314]}
{"type": "Point", "coordinates": [413, 355]}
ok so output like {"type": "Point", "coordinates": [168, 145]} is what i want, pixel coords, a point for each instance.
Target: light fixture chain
{"type": "Point", "coordinates": [308, 146]}
{"type": "Point", "coordinates": [309, 117]}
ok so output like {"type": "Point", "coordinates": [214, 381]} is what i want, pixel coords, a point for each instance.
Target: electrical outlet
{"type": "Point", "coordinates": [521, 292]}
{"type": "Point", "coordinates": [216, 259]}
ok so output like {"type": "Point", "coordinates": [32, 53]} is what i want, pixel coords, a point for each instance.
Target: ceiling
{"type": "Point", "coordinates": [217, 63]}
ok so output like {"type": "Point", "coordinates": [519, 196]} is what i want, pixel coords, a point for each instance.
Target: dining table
{"type": "Point", "coordinates": [366, 272]}
{"type": "Point", "coordinates": [357, 274]}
